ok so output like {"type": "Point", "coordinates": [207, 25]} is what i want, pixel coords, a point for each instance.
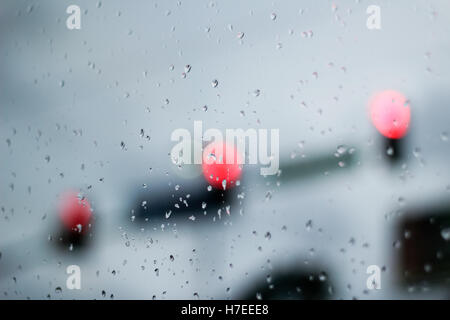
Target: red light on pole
{"type": "Point", "coordinates": [75, 212]}
{"type": "Point", "coordinates": [221, 169]}
{"type": "Point", "coordinates": [390, 113]}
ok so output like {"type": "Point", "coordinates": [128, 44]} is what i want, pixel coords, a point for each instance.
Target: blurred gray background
{"type": "Point", "coordinates": [73, 104]}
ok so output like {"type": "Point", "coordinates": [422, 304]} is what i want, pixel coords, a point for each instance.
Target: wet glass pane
{"type": "Point", "coordinates": [224, 149]}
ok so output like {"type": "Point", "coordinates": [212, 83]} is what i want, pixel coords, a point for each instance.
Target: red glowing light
{"type": "Point", "coordinates": [221, 169]}
{"type": "Point", "coordinates": [390, 113]}
{"type": "Point", "coordinates": [75, 211]}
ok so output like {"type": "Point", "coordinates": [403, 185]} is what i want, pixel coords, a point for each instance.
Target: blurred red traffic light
{"type": "Point", "coordinates": [74, 211]}
{"type": "Point", "coordinates": [390, 113]}
{"type": "Point", "coordinates": [222, 165]}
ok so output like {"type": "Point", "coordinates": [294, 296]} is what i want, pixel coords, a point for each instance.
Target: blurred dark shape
{"type": "Point", "coordinates": [315, 166]}
{"type": "Point", "coordinates": [195, 196]}
{"type": "Point", "coordinates": [292, 284]}
{"type": "Point", "coordinates": [73, 240]}
{"type": "Point", "coordinates": [394, 149]}
{"type": "Point", "coordinates": [192, 197]}
{"type": "Point", "coordinates": [425, 245]}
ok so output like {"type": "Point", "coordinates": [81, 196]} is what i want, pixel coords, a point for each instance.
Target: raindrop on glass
{"type": "Point", "coordinates": [445, 233]}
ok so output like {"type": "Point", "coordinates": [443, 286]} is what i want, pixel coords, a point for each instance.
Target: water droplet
{"type": "Point", "coordinates": [407, 234]}
{"type": "Point", "coordinates": [445, 233]}
{"type": "Point", "coordinates": [341, 149]}
{"type": "Point", "coordinates": [215, 83]}
{"type": "Point", "coordinates": [390, 151]}
{"type": "Point", "coordinates": [273, 16]}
